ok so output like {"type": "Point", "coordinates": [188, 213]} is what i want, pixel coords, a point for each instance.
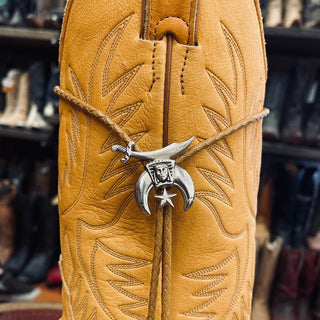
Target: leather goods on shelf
{"type": "Point", "coordinates": [157, 73]}
{"type": "Point", "coordinates": [312, 14]}
{"type": "Point", "coordinates": [10, 86]}
{"type": "Point", "coordinates": [7, 220]}
{"type": "Point", "coordinates": [293, 13]}
{"type": "Point", "coordinates": [264, 278]}
{"type": "Point", "coordinates": [274, 10]}
{"type": "Point", "coordinates": [285, 290]}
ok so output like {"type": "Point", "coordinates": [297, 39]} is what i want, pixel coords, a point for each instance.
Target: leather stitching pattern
{"type": "Point", "coordinates": [154, 79]}
{"type": "Point", "coordinates": [80, 286]}
{"type": "Point", "coordinates": [209, 274]}
{"type": "Point", "coordinates": [129, 263]}
{"type": "Point", "coordinates": [117, 31]}
{"type": "Point", "coordinates": [182, 71]}
{"type": "Point", "coordinates": [72, 145]}
{"type": "Point", "coordinates": [221, 122]}
{"type": "Point", "coordinates": [242, 280]}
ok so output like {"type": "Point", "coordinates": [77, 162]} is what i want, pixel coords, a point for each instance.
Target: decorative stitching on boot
{"type": "Point", "coordinates": [182, 71]}
{"type": "Point", "coordinates": [217, 280]}
{"type": "Point", "coordinates": [129, 263]}
{"type": "Point", "coordinates": [154, 79]}
{"type": "Point", "coordinates": [118, 31]}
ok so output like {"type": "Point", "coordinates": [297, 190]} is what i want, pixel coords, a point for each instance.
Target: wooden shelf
{"type": "Point", "coordinates": [25, 37]}
{"type": "Point", "coordinates": [291, 151]}
{"type": "Point", "coordinates": [25, 134]}
{"type": "Point", "coordinates": [293, 41]}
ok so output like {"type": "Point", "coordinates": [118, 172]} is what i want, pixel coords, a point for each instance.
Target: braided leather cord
{"type": "Point", "coordinates": [166, 262]}
{"type": "Point", "coordinates": [156, 264]}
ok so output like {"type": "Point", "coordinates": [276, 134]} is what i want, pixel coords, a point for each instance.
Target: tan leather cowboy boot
{"type": "Point", "coordinates": [158, 73]}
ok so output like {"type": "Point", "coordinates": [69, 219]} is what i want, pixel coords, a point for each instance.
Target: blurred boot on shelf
{"type": "Point", "coordinates": [263, 7]}
{"type": "Point", "coordinates": [3, 73]}
{"type": "Point", "coordinates": [316, 302]}
{"type": "Point", "coordinates": [264, 279]}
{"type": "Point", "coordinates": [313, 238]}
{"type": "Point", "coordinates": [304, 206]}
{"type": "Point", "coordinates": [21, 8]}
{"type": "Point", "coordinates": [312, 14]}
{"type": "Point", "coordinates": [312, 119]}
{"type": "Point", "coordinates": [37, 94]}
{"type": "Point", "coordinates": [24, 234]}
{"type": "Point", "coordinates": [285, 290]}
{"type": "Point", "coordinates": [307, 284]}
{"type": "Point", "coordinates": [3, 168]}
{"type": "Point", "coordinates": [303, 75]}
{"type": "Point", "coordinates": [10, 86]}
{"type": "Point", "coordinates": [7, 220]}
{"type": "Point", "coordinates": [56, 16]}
{"type": "Point", "coordinates": [265, 203]}
{"type": "Point", "coordinates": [42, 13]}
{"type": "Point", "coordinates": [275, 95]}
{"type": "Point", "coordinates": [19, 116]}
{"type": "Point", "coordinates": [46, 245]}
{"type": "Point", "coordinates": [287, 182]}
{"type": "Point", "coordinates": [293, 13]}
{"type": "Point", "coordinates": [274, 10]}
{"type": "Point", "coordinates": [52, 100]}
{"type": "Point", "coordinates": [47, 236]}
{"type": "Point", "coordinates": [4, 12]}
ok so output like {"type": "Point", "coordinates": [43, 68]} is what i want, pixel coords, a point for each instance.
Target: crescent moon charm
{"type": "Point", "coordinates": [162, 173]}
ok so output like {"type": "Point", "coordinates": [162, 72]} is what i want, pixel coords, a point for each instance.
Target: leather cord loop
{"type": "Point", "coordinates": [90, 110]}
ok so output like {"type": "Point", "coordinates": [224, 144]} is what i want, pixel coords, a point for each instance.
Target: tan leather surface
{"type": "Point", "coordinates": [178, 17]}
{"type": "Point", "coordinates": [106, 241]}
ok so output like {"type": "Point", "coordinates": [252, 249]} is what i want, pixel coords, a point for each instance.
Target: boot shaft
{"type": "Point", "coordinates": [288, 274]}
{"type": "Point", "coordinates": [312, 14]}
{"type": "Point", "coordinates": [99, 216]}
{"type": "Point", "coordinates": [23, 93]}
{"type": "Point", "coordinates": [10, 86]}
{"type": "Point", "coordinates": [293, 13]}
{"type": "Point", "coordinates": [44, 8]}
{"type": "Point", "coordinates": [7, 221]}
{"type": "Point", "coordinates": [267, 268]}
{"type": "Point", "coordinates": [274, 10]}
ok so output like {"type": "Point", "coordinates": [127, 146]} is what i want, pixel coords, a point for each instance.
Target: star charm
{"type": "Point", "coordinates": [165, 198]}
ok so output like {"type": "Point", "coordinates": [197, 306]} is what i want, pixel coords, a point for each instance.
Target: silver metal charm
{"type": "Point", "coordinates": [162, 173]}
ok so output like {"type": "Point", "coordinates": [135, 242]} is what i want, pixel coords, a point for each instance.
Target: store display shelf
{"type": "Point", "coordinates": [29, 37]}
{"type": "Point", "coordinates": [293, 40]}
{"type": "Point", "coordinates": [291, 151]}
{"type": "Point", "coordinates": [25, 134]}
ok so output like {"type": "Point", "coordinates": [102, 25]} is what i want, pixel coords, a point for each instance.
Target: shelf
{"type": "Point", "coordinates": [293, 40]}
{"type": "Point", "coordinates": [29, 37]}
{"type": "Point", "coordinates": [291, 151]}
{"type": "Point", "coordinates": [25, 134]}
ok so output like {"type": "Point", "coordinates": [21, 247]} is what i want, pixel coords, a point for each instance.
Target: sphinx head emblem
{"type": "Point", "coordinates": [162, 173]}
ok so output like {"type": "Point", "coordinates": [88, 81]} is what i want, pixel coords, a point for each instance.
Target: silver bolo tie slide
{"type": "Point", "coordinates": [162, 173]}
